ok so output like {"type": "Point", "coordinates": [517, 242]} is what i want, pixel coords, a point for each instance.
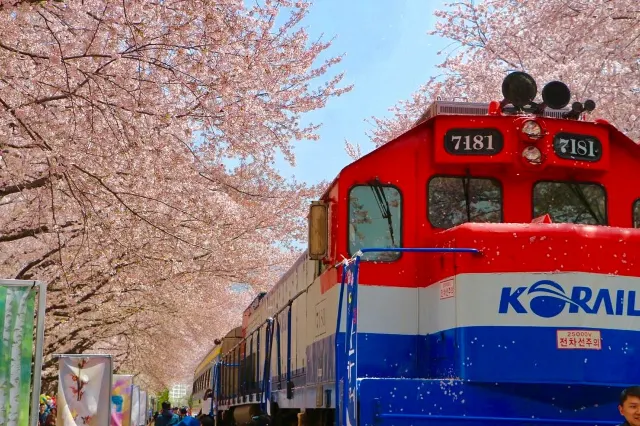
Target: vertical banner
{"type": "Point", "coordinates": [121, 400]}
{"type": "Point", "coordinates": [84, 390]}
{"type": "Point", "coordinates": [16, 348]}
{"type": "Point", "coordinates": [143, 408]}
{"type": "Point", "coordinates": [135, 405]}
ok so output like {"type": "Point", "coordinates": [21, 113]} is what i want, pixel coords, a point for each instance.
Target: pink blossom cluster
{"type": "Point", "coordinates": [137, 143]}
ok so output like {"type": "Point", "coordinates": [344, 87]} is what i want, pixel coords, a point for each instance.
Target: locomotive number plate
{"type": "Point", "coordinates": [577, 147]}
{"type": "Point", "coordinates": [473, 141]}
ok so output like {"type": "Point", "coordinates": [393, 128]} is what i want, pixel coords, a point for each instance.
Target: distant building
{"type": "Point", "coordinates": [178, 395]}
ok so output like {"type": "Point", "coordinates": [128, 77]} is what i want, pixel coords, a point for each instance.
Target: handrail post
{"type": "Point", "coordinates": [279, 353]}
{"type": "Point", "coordinates": [256, 374]}
{"type": "Point", "coordinates": [338, 387]}
{"type": "Point", "coordinates": [266, 371]}
{"type": "Point", "coordinates": [289, 382]}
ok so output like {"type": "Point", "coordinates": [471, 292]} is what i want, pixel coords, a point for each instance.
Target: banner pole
{"type": "Point", "coordinates": [19, 283]}
{"type": "Point", "coordinates": [79, 355]}
{"type": "Point", "coordinates": [110, 389]}
{"type": "Point", "coordinates": [37, 370]}
{"type": "Point", "coordinates": [131, 387]}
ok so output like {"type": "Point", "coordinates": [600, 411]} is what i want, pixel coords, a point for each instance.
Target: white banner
{"type": "Point", "coordinates": [135, 406]}
{"type": "Point", "coordinates": [143, 408]}
{"type": "Point", "coordinates": [84, 390]}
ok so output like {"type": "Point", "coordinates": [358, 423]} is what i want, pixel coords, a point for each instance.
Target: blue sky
{"type": "Point", "coordinates": [388, 55]}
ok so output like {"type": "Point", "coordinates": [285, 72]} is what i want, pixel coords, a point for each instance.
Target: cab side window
{"type": "Point", "coordinates": [375, 218]}
{"type": "Point", "coordinates": [571, 202]}
{"type": "Point", "coordinates": [636, 214]}
{"type": "Point", "coordinates": [454, 200]}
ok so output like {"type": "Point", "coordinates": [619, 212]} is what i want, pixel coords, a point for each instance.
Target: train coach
{"type": "Point", "coordinates": [479, 269]}
{"type": "Point", "coordinates": [204, 374]}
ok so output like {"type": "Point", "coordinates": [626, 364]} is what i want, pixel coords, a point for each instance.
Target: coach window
{"type": "Point", "coordinates": [571, 202]}
{"type": "Point", "coordinates": [458, 199]}
{"type": "Point", "coordinates": [375, 217]}
{"type": "Point", "coordinates": [636, 214]}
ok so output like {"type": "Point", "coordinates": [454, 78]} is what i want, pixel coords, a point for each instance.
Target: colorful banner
{"type": "Point", "coordinates": [135, 406]}
{"type": "Point", "coordinates": [121, 400]}
{"type": "Point", "coordinates": [84, 390]}
{"type": "Point", "coordinates": [16, 349]}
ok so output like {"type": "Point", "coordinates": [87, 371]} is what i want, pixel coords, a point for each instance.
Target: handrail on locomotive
{"type": "Point", "coordinates": [350, 352]}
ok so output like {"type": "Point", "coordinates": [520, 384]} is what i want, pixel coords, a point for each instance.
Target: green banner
{"type": "Point", "coordinates": [16, 353]}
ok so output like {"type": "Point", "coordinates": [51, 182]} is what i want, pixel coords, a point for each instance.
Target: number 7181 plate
{"type": "Point", "coordinates": [473, 141]}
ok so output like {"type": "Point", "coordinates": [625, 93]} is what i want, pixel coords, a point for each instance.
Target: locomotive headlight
{"type": "Point", "coordinates": [532, 155]}
{"type": "Point", "coordinates": [532, 129]}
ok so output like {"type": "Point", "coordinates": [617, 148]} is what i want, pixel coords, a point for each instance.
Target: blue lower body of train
{"type": "Point", "coordinates": [548, 370]}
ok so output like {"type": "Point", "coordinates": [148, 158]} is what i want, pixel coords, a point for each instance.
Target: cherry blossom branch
{"type": "Point", "coordinates": [30, 232]}
{"type": "Point", "coordinates": [13, 189]}
{"type": "Point", "coordinates": [126, 206]}
{"type": "Point", "coordinates": [22, 273]}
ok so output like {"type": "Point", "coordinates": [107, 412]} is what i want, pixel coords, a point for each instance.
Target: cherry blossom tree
{"type": "Point", "coordinates": [137, 174]}
{"type": "Point", "coordinates": [592, 46]}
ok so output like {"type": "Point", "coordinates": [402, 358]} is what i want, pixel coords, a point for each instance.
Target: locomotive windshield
{"type": "Point", "coordinates": [456, 200]}
{"type": "Point", "coordinates": [570, 202]}
{"type": "Point", "coordinates": [375, 215]}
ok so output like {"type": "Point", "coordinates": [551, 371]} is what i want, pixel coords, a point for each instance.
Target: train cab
{"type": "Point", "coordinates": [468, 163]}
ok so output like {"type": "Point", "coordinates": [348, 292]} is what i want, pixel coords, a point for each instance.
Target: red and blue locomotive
{"type": "Point", "coordinates": [480, 269]}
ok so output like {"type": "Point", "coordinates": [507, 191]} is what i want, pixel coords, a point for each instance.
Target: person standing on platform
{"type": "Point", "coordinates": [167, 417]}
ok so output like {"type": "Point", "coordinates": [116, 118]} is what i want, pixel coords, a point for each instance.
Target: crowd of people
{"type": "Point", "coordinates": [167, 417]}
{"type": "Point", "coordinates": [179, 417]}
{"type": "Point", "coordinates": [48, 411]}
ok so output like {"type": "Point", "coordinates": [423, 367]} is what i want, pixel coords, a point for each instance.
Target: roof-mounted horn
{"type": "Point", "coordinates": [556, 95]}
{"type": "Point", "coordinates": [519, 89]}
